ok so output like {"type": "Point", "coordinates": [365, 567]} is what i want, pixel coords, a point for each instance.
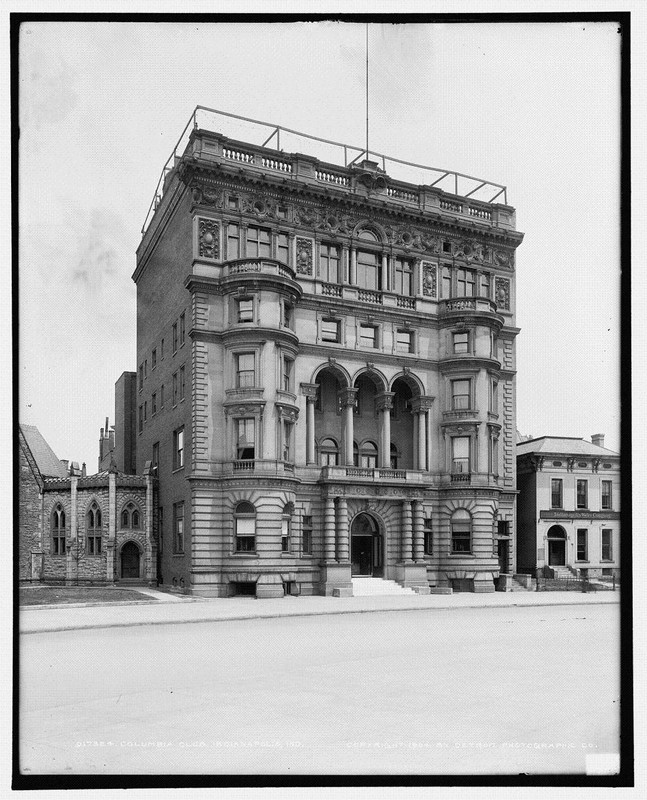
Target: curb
{"type": "Point", "coordinates": [277, 615]}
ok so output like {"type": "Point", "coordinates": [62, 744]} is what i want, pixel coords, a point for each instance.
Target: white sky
{"type": "Point", "coordinates": [532, 106]}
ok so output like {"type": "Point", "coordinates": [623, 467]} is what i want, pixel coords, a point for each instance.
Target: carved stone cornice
{"type": "Point", "coordinates": [287, 411]}
{"type": "Point", "coordinates": [309, 390]}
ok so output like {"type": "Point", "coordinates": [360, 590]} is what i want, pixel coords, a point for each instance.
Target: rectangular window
{"type": "Point", "coordinates": [607, 497]}
{"type": "Point", "coordinates": [245, 310]}
{"type": "Point", "coordinates": [245, 370]}
{"type": "Point", "coordinates": [494, 397]}
{"type": "Point", "coordinates": [178, 448]}
{"type": "Point", "coordinates": [329, 263]}
{"type": "Point", "coordinates": [175, 388]}
{"type": "Point", "coordinates": [582, 536]}
{"type": "Point", "coordinates": [178, 527]}
{"type": "Point", "coordinates": [58, 545]}
{"type": "Point", "coordinates": [182, 329]}
{"type": "Point", "coordinates": [461, 342]}
{"type": "Point", "coordinates": [330, 330]}
{"type": "Point", "coordinates": [287, 315]}
{"type": "Point", "coordinates": [245, 438]}
{"type": "Point", "coordinates": [162, 396]}
{"type": "Point", "coordinates": [174, 337]}
{"type": "Point", "coordinates": [258, 243]}
{"type": "Point", "coordinates": [283, 247]}
{"type": "Point", "coordinates": [461, 395]}
{"type": "Point", "coordinates": [368, 335]}
{"type": "Point", "coordinates": [429, 539]}
{"type": "Point", "coordinates": [461, 537]}
{"type": "Point", "coordinates": [154, 358]}
{"type": "Point", "coordinates": [141, 418]}
{"type": "Point", "coordinates": [446, 282]}
{"type": "Point", "coordinates": [162, 350]}
{"type": "Point", "coordinates": [493, 345]}
{"type": "Point", "coordinates": [403, 274]}
{"type": "Point", "coordinates": [404, 341]}
{"type": "Point", "coordinates": [287, 442]}
{"type": "Point", "coordinates": [245, 534]}
{"type": "Point", "coordinates": [556, 493]}
{"type": "Point", "coordinates": [484, 285]}
{"type": "Point", "coordinates": [306, 544]}
{"type": "Point", "coordinates": [154, 403]}
{"type": "Point", "coordinates": [607, 544]}
{"type": "Point", "coordinates": [233, 241]}
{"type": "Point", "coordinates": [368, 270]}
{"type": "Point", "coordinates": [145, 368]}
{"type": "Point", "coordinates": [141, 377]}
{"type": "Point", "coordinates": [160, 530]}
{"type": "Point", "coordinates": [285, 535]}
{"type": "Point", "coordinates": [232, 203]}
{"type": "Point", "coordinates": [282, 212]}
{"type": "Point", "coordinates": [155, 461]}
{"type": "Point", "coordinates": [465, 282]}
{"type": "Point", "coordinates": [460, 454]}
{"type": "Point", "coordinates": [287, 375]}
{"type": "Point", "coordinates": [494, 455]}
{"type": "Point", "coordinates": [182, 383]}
{"type": "Point", "coordinates": [582, 494]}
{"type": "Point", "coordinates": [145, 410]}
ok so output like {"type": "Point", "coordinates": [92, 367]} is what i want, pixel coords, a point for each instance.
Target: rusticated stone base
{"type": "Point", "coordinates": [336, 576]}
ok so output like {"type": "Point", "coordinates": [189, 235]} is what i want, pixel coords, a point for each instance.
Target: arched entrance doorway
{"type": "Point", "coordinates": [366, 548]}
{"type": "Point", "coordinates": [130, 561]}
{"type": "Point", "coordinates": [556, 546]}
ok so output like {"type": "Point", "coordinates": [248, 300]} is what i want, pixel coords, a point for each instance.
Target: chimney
{"type": "Point", "coordinates": [84, 471]}
{"type": "Point", "coordinates": [65, 463]}
{"type": "Point", "coordinates": [111, 438]}
{"type": "Point", "coordinates": [598, 439]}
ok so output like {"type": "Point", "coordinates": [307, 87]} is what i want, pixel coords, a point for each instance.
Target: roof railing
{"type": "Point", "coordinates": [240, 128]}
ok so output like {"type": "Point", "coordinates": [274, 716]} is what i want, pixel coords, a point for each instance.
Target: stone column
{"type": "Point", "coordinates": [418, 532]}
{"type": "Point", "coordinates": [415, 440]}
{"type": "Point", "coordinates": [329, 529]}
{"type": "Point", "coordinates": [310, 392]}
{"type": "Point", "coordinates": [343, 550]}
{"type": "Point", "coordinates": [420, 406]}
{"type": "Point", "coordinates": [384, 404]}
{"type": "Point", "coordinates": [353, 266]}
{"type": "Point", "coordinates": [385, 273]}
{"type": "Point", "coordinates": [344, 265]}
{"type": "Point", "coordinates": [406, 531]}
{"type": "Point", "coordinates": [347, 399]}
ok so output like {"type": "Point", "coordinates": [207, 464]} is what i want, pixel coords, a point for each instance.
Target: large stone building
{"type": "Point", "coordinates": [326, 375]}
{"type": "Point", "coordinates": [569, 506]}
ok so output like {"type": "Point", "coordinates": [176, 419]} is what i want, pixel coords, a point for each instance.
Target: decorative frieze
{"type": "Point", "coordinates": [502, 293]}
{"type": "Point", "coordinates": [429, 279]}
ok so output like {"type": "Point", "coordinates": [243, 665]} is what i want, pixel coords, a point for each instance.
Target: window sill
{"type": "Point", "coordinates": [582, 561]}
{"type": "Point", "coordinates": [245, 553]}
{"type": "Point", "coordinates": [178, 555]}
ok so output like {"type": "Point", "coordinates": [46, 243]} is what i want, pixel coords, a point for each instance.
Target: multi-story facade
{"type": "Point", "coordinates": [569, 506]}
{"type": "Point", "coordinates": [326, 376]}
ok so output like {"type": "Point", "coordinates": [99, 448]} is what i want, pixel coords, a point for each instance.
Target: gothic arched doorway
{"type": "Point", "coordinates": [556, 546]}
{"type": "Point", "coordinates": [130, 561]}
{"type": "Point", "coordinates": [366, 547]}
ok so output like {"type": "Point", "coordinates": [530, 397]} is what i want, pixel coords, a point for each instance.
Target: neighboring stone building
{"type": "Point", "coordinates": [82, 529]}
{"type": "Point", "coordinates": [326, 374]}
{"type": "Point", "coordinates": [568, 506]}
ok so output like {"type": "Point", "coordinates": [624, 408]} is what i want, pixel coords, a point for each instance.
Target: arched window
{"type": "Point", "coordinates": [368, 455]}
{"type": "Point", "coordinates": [130, 516]}
{"type": "Point", "coordinates": [369, 261]}
{"type": "Point", "coordinates": [461, 526]}
{"type": "Point", "coordinates": [355, 454]}
{"type": "Point", "coordinates": [394, 456]}
{"type": "Point", "coordinates": [58, 530]}
{"type": "Point", "coordinates": [286, 525]}
{"type": "Point", "coordinates": [93, 530]}
{"type": "Point", "coordinates": [245, 527]}
{"type": "Point", "coordinates": [328, 453]}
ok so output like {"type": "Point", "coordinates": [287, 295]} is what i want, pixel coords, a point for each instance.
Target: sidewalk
{"type": "Point", "coordinates": [186, 610]}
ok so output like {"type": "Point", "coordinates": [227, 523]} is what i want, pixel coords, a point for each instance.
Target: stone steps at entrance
{"type": "Point", "coordinates": [364, 587]}
{"type": "Point", "coordinates": [563, 573]}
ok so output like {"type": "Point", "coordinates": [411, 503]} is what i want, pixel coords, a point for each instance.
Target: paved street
{"type": "Point", "coordinates": [486, 690]}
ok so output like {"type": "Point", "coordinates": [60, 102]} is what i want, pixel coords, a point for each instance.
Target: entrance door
{"type": "Point", "coordinates": [556, 553]}
{"type": "Point", "coordinates": [130, 561]}
{"type": "Point", "coordinates": [365, 547]}
{"type": "Point", "coordinates": [503, 549]}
